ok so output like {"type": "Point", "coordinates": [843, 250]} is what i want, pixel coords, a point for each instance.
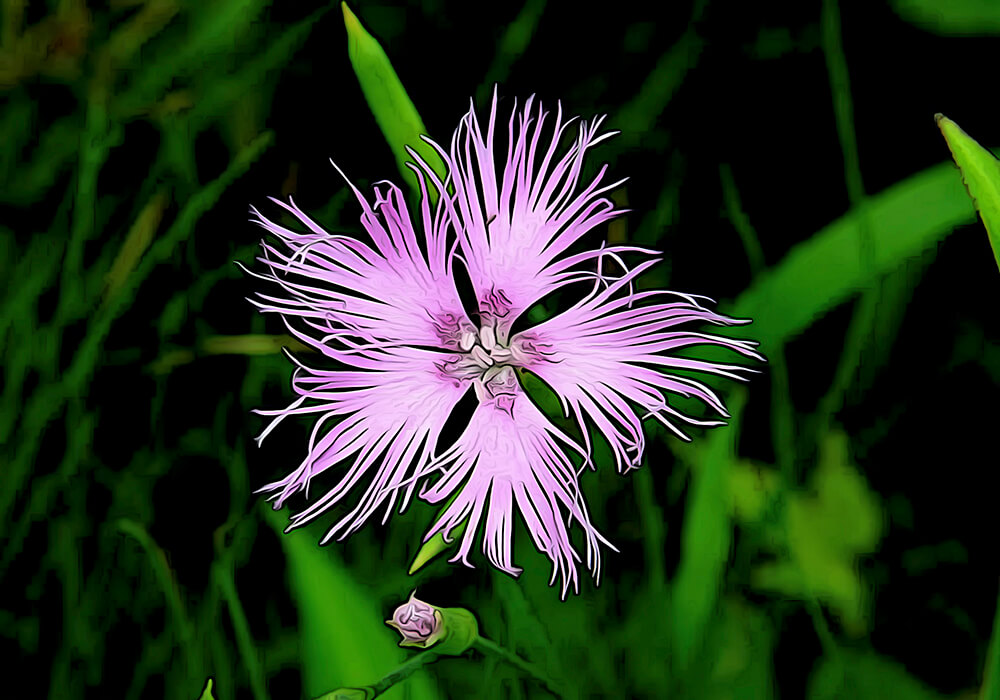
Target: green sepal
{"type": "Point", "coordinates": [461, 631]}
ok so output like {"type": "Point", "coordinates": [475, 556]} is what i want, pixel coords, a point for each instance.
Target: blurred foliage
{"type": "Point", "coordinates": [834, 541]}
{"type": "Point", "coordinates": [821, 536]}
{"type": "Point", "coordinates": [957, 18]}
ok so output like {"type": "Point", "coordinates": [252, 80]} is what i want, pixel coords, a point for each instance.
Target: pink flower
{"type": "Point", "coordinates": [389, 314]}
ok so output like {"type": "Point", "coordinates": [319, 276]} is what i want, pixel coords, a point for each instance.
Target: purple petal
{"type": "Point", "coordinates": [518, 215]}
{"type": "Point", "coordinates": [510, 454]}
{"type": "Point", "coordinates": [342, 287]}
{"type": "Point", "coordinates": [385, 422]}
{"type": "Point", "coordinates": [604, 355]}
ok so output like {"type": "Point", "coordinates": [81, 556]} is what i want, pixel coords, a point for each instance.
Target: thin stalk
{"type": "Point", "coordinates": [405, 670]}
{"type": "Point", "coordinates": [782, 409]}
{"type": "Point", "coordinates": [990, 689]}
{"type": "Point", "coordinates": [397, 675]}
{"type": "Point", "coordinates": [487, 647]}
{"type": "Point", "coordinates": [94, 146]}
{"type": "Point", "coordinates": [223, 578]}
{"type": "Point", "coordinates": [164, 576]}
{"type": "Point", "coordinates": [653, 529]}
{"type": "Point", "coordinates": [861, 328]}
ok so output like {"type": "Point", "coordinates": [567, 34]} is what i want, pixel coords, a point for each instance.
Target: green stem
{"type": "Point", "coordinates": [653, 527]}
{"type": "Point", "coordinates": [782, 409]}
{"type": "Point", "coordinates": [223, 575]}
{"type": "Point", "coordinates": [405, 670]}
{"type": "Point", "coordinates": [94, 147]}
{"type": "Point", "coordinates": [487, 647]}
{"type": "Point", "coordinates": [397, 675]}
{"type": "Point", "coordinates": [164, 576]}
{"type": "Point", "coordinates": [862, 323]}
{"type": "Point", "coordinates": [513, 43]}
{"type": "Point", "coordinates": [740, 221]}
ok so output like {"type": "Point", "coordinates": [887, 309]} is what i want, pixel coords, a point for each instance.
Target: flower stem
{"type": "Point", "coordinates": [487, 647]}
{"type": "Point", "coordinates": [400, 673]}
{"type": "Point", "coordinates": [404, 671]}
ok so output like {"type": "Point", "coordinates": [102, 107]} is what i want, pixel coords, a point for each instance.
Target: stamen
{"type": "Point", "coordinates": [481, 357]}
{"type": "Point", "coordinates": [488, 337]}
{"type": "Point", "coordinates": [467, 340]}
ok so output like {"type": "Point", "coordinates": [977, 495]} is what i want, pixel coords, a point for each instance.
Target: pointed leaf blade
{"type": "Point", "coordinates": [981, 175]}
{"type": "Point", "coordinates": [393, 110]}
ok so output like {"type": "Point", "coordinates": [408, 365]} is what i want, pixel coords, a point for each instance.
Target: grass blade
{"type": "Point", "coordinates": [827, 269]}
{"type": "Point", "coordinates": [394, 111]}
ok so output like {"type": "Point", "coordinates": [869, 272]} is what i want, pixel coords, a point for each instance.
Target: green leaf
{"type": "Point", "coordinates": [638, 116]}
{"type": "Point", "coordinates": [394, 111]}
{"type": "Point", "coordinates": [826, 270]}
{"type": "Point", "coordinates": [344, 640]}
{"type": "Point", "coordinates": [706, 541]}
{"type": "Point", "coordinates": [206, 694]}
{"type": "Point", "coordinates": [738, 659]}
{"type": "Point", "coordinates": [861, 676]}
{"type": "Point", "coordinates": [951, 17]}
{"type": "Point", "coordinates": [981, 175]}
{"type": "Point", "coordinates": [434, 546]}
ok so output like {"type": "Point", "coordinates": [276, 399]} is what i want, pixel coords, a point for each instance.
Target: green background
{"type": "Point", "coordinates": [837, 540]}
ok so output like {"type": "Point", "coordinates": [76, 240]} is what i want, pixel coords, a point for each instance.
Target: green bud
{"type": "Point", "coordinates": [461, 631]}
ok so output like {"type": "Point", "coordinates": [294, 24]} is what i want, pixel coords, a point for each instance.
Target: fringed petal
{"type": "Point", "coordinates": [398, 291]}
{"type": "Point", "coordinates": [615, 350]}
{"type": "Point", "coordinates": [511, 454]}
{"type": "Point", "coordinates": [384, 423]}
{"type": "Point", "coordinates": [516, 217]}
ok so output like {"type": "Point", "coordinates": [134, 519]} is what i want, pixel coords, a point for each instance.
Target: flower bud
{"type": "Point", "coordinates": [420, 623]}
{"type": "Point", "coordinates": [452, 630]}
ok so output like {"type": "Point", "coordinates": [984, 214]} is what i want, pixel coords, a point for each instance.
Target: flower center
{"type": "Point", "coordinates": [489, 363]}
{"type": "Point", "coordinates": [484, 349]}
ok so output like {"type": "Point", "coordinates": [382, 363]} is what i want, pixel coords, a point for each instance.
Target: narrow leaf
{"type": "Point", "coordinates": [991, 674]}
{"type": "Point", "coordinates": [394, 111]}
{"type": "Point", "coordinates": [207, 693]}
{"type": "Point", "coordinates": [865, 676]}
{"type": "Point", "coordinates": [981, 175]}
{"type": "Point", "coordinates": [951, 17]}
{"type": "Point", "coordinates": [826, 270]}
{"type": "Point", "coordinates": [432, 547]}
{"type": "Point", "coordinates": [706, 541]}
